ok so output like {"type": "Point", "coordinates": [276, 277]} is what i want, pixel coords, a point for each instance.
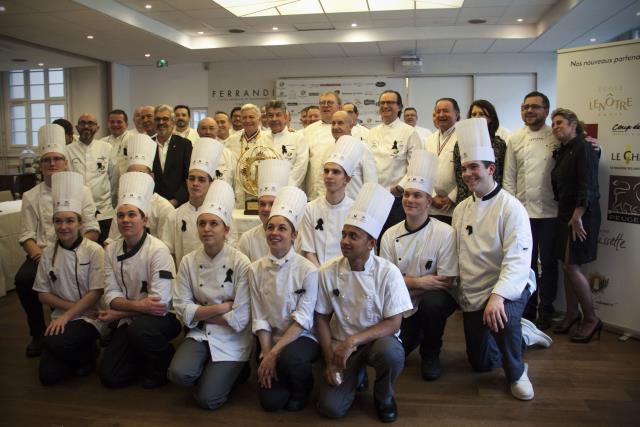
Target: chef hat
{"type": "Point", "coordinates": [141, 150]}
{"type": "Point", "coordinates": [474, 140]}
{"type": "Point", "coordinates": [206, 155]}
{"type": "Point", "coordinates": [273, 174]}
{"type": "Point", "coordinates": [219, 201]}
{"type": "Point", "coordinates": [136, 188]}
{"type": "Point", "coordinates": [51, 139]}
{"type": "Point", "coordinates": [421, 172]}
{"type": "Point", "coordinates": [371, 208]}
{"type": "Point", "coordinates": [347, 152]}
{"type": "Point", "coordinates": [67, 190]}
{"type": "Point", "coordinates": [290, 203]}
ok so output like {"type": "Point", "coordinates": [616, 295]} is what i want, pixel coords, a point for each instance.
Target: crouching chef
{"type": "Point", "coordinates": [139, 275]}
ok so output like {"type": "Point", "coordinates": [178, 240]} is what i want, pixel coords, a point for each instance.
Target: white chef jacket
{"type": "Point", "coordinates": [226, 169]}
{"type": "Point", "coordinates": [527, 170]}
{"type": "Point", "coordinates": [494, 248]}
{"type": "Point", "coordinates": [294, 149]}
{"type": "Point", "coordinates": [76, 272]}
{"type": "Point", "coordinates": [392, 146]}
{"type": "Point", "coordinates": [360, 132]}
{"type": "Point", "coordinates": [37, 215]}
{"type": "Point", "coordinates": [191, 134]}
{"type": "Point", "coordinates": [119, 150]}
{"type": "Point", "coordinates": [203, 280]}
{"type": "Point", "coordinates": [431, 249]}
{"type": "Point", "coordinates": [320, 140]}
{"type": "Point", "coordinates": [365, 171]}
{"type": "Point", "coordinates": [144, 270]}
{"type": "Point", "coordinates": [238, 146]}
{"type": "Point", "coordinates": [98, 167]}
{"type": "Point", "coordinates": [423, 133]}
{"type": "Point", "coordinates": [360, 299]}
{"type": "Point", "coordinates": [321, 227]}
{"type": "Point", "coordinates": [253, 243]}
{"type": "Point", "coordinates": [445, 184]}
{"type": "Point", "coordinates": [503, 133]}
{"type": "Point", "coordinates": [183, 225]}
{"type": "Point", "coordinates": [282, 291]}
{"type": "Point", "coordinates": [159, 224]}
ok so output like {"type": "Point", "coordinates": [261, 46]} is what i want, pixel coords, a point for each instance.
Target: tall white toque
{"type": "Point", "coordinates": [67, 190]}
{"type": "Point", "coordinates": [273, 174]}
{"type": "Point", "coordinates": [141, 150]}
{"type": "Point", "coordinates": [347, 152]}
{"type": "Point", "coordinates": [474, 141]}
{"type": "Point", "coordinates": [421, 171]}
{"type": "Point", "coordinates": [219, 201]}
{"type": "Point", "coordinates": [206, 155]}
{"type": "Point", "coordinates": [51, 139]}
{"type": "Point", "coordinates": [290, 203]}
{"type": "Point", "coordinates": [136, 188]}
{"type": "Point", "coordinates": [371, 208]}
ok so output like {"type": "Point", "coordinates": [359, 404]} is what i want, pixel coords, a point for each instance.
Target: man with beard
{"type": "Point", "coordinates": [183, 117]}
{"type": "Point", "coordinates": [236, 120]}
{"type": "Point", "coordinates": [171, 165]}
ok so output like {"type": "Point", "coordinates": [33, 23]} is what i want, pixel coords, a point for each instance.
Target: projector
{"type": "Point", "coordinates": [408, 64]}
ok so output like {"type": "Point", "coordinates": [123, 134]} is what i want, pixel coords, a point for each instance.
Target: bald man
{"type": "Point", "coordinates": [208, 128]}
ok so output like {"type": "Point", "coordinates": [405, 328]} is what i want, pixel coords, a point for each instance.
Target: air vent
{"type": "Point", "coordinates": [313, 27]}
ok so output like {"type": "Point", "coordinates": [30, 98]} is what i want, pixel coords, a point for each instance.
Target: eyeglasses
{"type": "Point", "coordinates": [328, 103]}
{"type": "Point", "coordinates": [56, 159]}
{"type": "Point", "coordinates": [534, 107]}
{"type": "Point", "coordinates": [162, 119]}
{"type": "Point", "coordinates": [387, 102]}
{"type": "Point", "coordinates": [86, 123]}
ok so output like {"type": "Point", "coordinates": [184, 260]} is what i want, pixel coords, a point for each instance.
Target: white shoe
{"type": "Point", "coordinates": [534, 336]}
{"type": "Point", "coordinates": [522, 389]}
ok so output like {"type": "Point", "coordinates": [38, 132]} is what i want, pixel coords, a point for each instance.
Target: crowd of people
{"type": "Point", "coordinates": [369, 240]}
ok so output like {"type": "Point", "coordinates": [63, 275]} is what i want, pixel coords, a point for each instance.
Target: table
{"type": "Point", "coordinates": [11, 254]}
{"type": "Point", "coordinates": [241, 223]}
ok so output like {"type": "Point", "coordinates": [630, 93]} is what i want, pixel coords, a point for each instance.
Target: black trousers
{"type": "Point", "coordinates": [396, 215]}
{"type": "Point", "coordinates": [24, 279]}
{"type": "Point", "coordinates": [63, 354]}
{"type": "Point", "coordinates": [139, 349]}
{"type": "Point", "coordinates": [544, 234]}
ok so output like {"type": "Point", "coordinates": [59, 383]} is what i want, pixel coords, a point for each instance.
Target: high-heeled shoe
{"type": "Point", "coordinates": [583, 339]}
{"type": "Point", "coordinates": [563, 330]}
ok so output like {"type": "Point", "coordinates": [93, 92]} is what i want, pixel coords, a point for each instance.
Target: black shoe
{"type": "Point", "coordinates": [34, 348]}
{"type": "Point", "coordinates": [363, 381]}
{"type": "Point", "coordinates": [387, 412]}
{"type": "Point", "coordinates": [584, 339]}
{"type": "Point", "coordinates": [431, 369]}
{"type": "Point", "coordinates": [154, 381]}
{"type": "Point", "coordinates": [564, 329]}
{"type": "Point", "coordinates": [544, 321]}
{"type": "Point", "coordinates": [296, 404]}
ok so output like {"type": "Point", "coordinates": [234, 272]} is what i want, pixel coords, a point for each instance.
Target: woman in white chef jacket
{"type": "Point", "coordinates": [284, 287]}
{"type": "Point", "coordinates": [139, 275]}
{"type": "Point", "coordinates": [70, 279]}
{"type": "Point", "coordinates": [211, 297]}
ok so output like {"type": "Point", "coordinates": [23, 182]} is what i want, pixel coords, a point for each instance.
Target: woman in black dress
{"type": "Point", "coordinates": [575, 187]}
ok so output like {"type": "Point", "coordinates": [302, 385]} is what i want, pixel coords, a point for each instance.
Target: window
{"type": "Point", "coordinates": [197, 114]}
{"type": "Point", "coordinates": [35, 97]}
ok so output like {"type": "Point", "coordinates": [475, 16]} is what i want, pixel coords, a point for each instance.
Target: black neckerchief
{"type": "Point", "coordinates": [409, 232]}
{"type": "Point", "coordinates": [133, 250]}
{"type": "Point", "coordinates": [73, 246]}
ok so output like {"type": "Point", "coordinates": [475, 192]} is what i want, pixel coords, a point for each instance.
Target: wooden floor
{"type": "Point", "coordinates": [585, 385]}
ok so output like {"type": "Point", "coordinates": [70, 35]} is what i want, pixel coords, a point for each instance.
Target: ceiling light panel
{"type": "Point", "coordinates": [383, 5]}
{"type": "Point", "coordinates": [300, 7]}
{"type": "Point", "coordinates": [342, 6]}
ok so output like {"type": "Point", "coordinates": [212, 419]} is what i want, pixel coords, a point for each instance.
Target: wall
{"type": "Point", "coordinates": [88, 93]}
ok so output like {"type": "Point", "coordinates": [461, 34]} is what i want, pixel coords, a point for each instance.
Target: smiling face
{"type": "Point", "coordinates": [415, 202]}
{"type": "Point", "coordinates": [87, 127]}
{"type": "Point", "coordinates": [563, 129]}
{"type": "Point", "coordinates": [117, 124]}
{"type": "Point", "coordinates": [264, 208]}
{"type": "Point", "coordinates": [224, 124]}
{"type": "Point", "coordinates": [182, 118]}
{"type": "Point", "coordinates": [277, 119]}
{"type": "Point", "coordinates": [478, 177]}
{"type": "Point", "coordinates": [533, 112]}
{"type": "Point", "coordinates": [67, 226]}
{"type": "Point", "coordinates": [51, 163]}
{"type": "Point", "coordinates": [410, 117]}
{"type": "Point", "coordinates": [207, 128]}
{"type": "Point", "coordinates": [164, 123]}
{"type": "Point", "coordinates": [313, 115]}
{"type": "Point", "coordinates": [212, 230]}
{"type": "Point", "coordinates": [280, 235]}
{"type": "Point", "coordinates": [388, 107]}
{"type": "Point", "coordinates": [445, 115]}
{"type": "Point", "coordinates": [328, 105]}
{"type": "Point", "coordinates": [250, 120]}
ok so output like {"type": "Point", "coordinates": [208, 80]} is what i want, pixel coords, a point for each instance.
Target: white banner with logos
{"type": "Point", "coordinates": [600, 83]}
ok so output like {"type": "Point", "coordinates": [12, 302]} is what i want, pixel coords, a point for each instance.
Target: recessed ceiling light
{"type": "Point", "coordinates": [353, 25]}
{"type": "Point", "coordinates": [200, 32]}
{"type": "Point", "coordinates": [2, 8]}
{"type": "Point", "coordinates": [477, 21]}
{"type": "Point", "coordinates": [147, 6]}
{"type": "Point", "coordinates": [40, 64]}
{"type": "Point", "coordinates": [236, 31]}
{"type": "Point", "coordinates": [90, 37]}
{"type": "Point", "coordinates": [593, 39]}
{"type": "Point", "coordinates": [519, 19]}
{"type": "Point", "coordinates": [274, 28]}
{"type": "Point", "coordinates": [147, 55]}
{"type": "Point", "coordinates": [637, 13]}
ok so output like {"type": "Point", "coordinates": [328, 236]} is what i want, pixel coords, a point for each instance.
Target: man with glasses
{"type": "Point", "coordinates": [527, 175]}
{"type": "Point", "coordinates": [94, 160]}
{"type": "Point", "coordinates": [171, 165]}
{"type": "Point", "coordinates": [37, 230]}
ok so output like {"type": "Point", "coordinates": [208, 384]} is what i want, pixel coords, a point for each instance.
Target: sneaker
{"type": "Point", "coordinates": [534, 336]}
{"type": "Point", "coordinates": [34, 348]}
{"type": "Point", "coordinates": [522, 388]}
{"type": "Point", "coordinates": [431, 369]}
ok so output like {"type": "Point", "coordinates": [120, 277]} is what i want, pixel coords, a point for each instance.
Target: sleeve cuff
{"type": "Point", "coordinates": [260, 325]}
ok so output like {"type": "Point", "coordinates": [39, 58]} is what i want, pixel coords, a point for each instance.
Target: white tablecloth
{"type": "Point", "coordinates": [11, 254]}
{"type": "Point", "coordinates": [241, 223]}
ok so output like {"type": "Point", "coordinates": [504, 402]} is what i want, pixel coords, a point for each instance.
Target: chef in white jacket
{"type": "Point", "coordinates": [324, 217]}
{"type": "Point", "coordinates": [141, 151]}
{"type": "Point", "coordinates": [494, 248]}
{"type": "Point", "coordinates": [361, 299]}
{"type": "Point", "coordinates": [202, 170]}
{"type": "Point", "coordinates": [70, 279]}
{"type": "Point", "coordinates": [139, 276]}
{"type": "Point", "coordinates": [424, 249]}
{"type": "Point", "coordinates": [284, 287]}
{"type": "Point", "coordinates": [272, 176]}
{"type": "Point", "coordinates": [211, 298]}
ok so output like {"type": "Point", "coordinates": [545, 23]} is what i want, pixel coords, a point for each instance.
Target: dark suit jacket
{"type": "Point", "coordinates": [172, 183]}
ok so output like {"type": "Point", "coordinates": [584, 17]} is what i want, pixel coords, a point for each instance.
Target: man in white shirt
{"type": "Point", "coordinates": [303, 117]}
{"type": "Point", "coordinates": [313, 114]}
{"type": "Point", "coordinates": [147, 120]}
{"type": "Point", "coordinates": [93, 159]}
{"type": "Point", "coordinates": [264, 124]}
{"type": "Point", "coordinates": [224, 124]}
{"type": "Point", "coordinates": [236, 120]}
{"type": "Point", "coordinates": [392, 143]}
{"type": "Point", "coordinates": [226, 170]}
{"type": "Point", "coordinates": [137, 121]}
{"type": "Point", "coordinates": [527, 175]}
{"type": "Point", "coordinates": [361, 300]}
{"type": "Point", "coordinates": [494, 248]}
{"type": "Point", "coordinates": [357, 130]}
{"type": "Point", "coordinates": [410, 116]}
{"type": "Point", "coordinates": [441, 143]}
{"type": "Point", "coordinates": [183, 118]}
{"type": "Point", "coordinates": [118, 133]}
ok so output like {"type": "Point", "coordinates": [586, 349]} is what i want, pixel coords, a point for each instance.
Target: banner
{"type": "Point", "coordinates": [601, 84]}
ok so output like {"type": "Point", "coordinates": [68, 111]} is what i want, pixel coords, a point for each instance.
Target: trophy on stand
{"type": "Point", "coordinates": [247, 174]}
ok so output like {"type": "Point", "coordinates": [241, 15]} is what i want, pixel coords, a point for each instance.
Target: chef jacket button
{"type": "Point", "coordinates": [201, 285]}
{"type": "Point", "coordinates": [397, 240]}
{"type": "Point", "coordinates": [208, 333]}
{"type": "Point", "coordinates": [201, 266]}
{"type": "Point", "coordinates": [348, 318]}
{"type": "Point", "coordinates": [399, 259]}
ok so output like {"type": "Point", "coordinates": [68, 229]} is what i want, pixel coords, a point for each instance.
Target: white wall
{"type": "Point", "coordinates": [88, 94]}
{"type": "Point", "coordinates": [120, 89]}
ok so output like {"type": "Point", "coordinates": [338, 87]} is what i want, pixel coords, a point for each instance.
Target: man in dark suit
{"type": "Point", "coordinates": [171, 165]}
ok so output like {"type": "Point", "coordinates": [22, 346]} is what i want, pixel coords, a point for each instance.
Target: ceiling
{"type": "Point", "coordinates": [55, 32]}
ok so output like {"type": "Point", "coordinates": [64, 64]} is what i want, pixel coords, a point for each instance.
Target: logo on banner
{"type": "Point", "coordinates": [618, 242]}
{"type": "Point", "coordinates": [246, 93]}
{"type": "Point", "coordinates": [598, 282]}
{"type": "Point", "coordinates": [611, 102]}
{"type": "Point", "coordinates": [624, 199]}
{"type": "Point", "coordinates": [626, 129]}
